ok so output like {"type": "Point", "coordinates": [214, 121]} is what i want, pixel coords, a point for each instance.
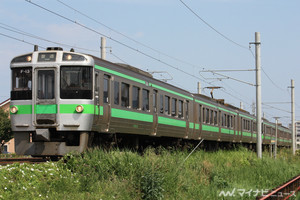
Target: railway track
{"type": "Point", "coordinates": [6, 161]}
{"type": "Point", "coordinates": [285, 191]}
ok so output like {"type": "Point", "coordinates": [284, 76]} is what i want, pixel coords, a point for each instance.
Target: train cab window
{"type": "Point", "coordinates": [21, 83]}
{"type": "Point", "coordinates": [145, 95]}
{"type": "Point", "coordinates": [174, 110]}
{"type": "Point", "coordinates": [155, 100]}
{"type": "Point", "coordinates": [180, 109]}
{"type": "Point", "coordinates": [161, 104]}
{"type": "Point", "coordinates": [167, 105]}
{"type": "Point", "coordinates": [125, 95]}
{"type": "Point", "coordinates": [187, 109]}
{"type": "Point", "coordinates": [135, 97]}
{"type": "Point", "coordinates": [106, 89]}
{"type": "Point", "coordinates": [116, 93]}
{"type": "Point", "coordinates": [76, 82]}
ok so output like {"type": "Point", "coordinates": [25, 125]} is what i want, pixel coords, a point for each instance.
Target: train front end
{"type": "Point", "coordinates": [52, 106]}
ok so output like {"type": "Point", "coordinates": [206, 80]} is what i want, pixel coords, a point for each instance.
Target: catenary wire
{"type": "Point", "coordinates": [40, 38]}
{"type": "Point", "coordinates": [97, 21]}
{"type": "Point", "coordinates": [210, 26]}
{"type": "Point", "coordinates": [123, 44]}
{"type": "Point", "coordinates": [122, 34]}
{"type": "Point", "coordinates": [20, 40]}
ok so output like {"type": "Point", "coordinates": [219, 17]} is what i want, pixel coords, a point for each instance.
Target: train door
{"type": "Point", "coordinates": [189, 128]}
{"type": "Point", "coordinates": [106, 97]}
{"type": "Point", "coordinates": [155, 114]}
{"type": "Point", "coordinates": [235, 128]}
{"type": "Point", "coordinates": [97, 99]}
{"type": "Point", "coordinates": [44, 104]}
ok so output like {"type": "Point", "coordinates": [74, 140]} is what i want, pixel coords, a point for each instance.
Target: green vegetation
{"type": "Point", "coordinates": [158, 174]}
{"type": "Point", "coordinates": [5, 133]}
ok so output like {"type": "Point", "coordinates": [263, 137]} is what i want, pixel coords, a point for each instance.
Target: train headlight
{"type": "Point", "coordinates": [13, 109]}
{"type": "Point", "coordinates": [69, 57]}
{"type": "Point", "coordinates": [79, 108]}
{"type": "Point", "coordinates": [28, 58]}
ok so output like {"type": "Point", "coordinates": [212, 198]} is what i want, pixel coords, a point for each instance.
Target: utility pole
{"type": "Point", "coordinates": [103, 48]}
{"type": "Point", "coordinates": [276, 133]}
{"type": "Point", "coordinates": [199, 88]}
{"type": "Point", "coordinates": [258, 94]}
{"type": "Point", "coordinates": [293, 117]}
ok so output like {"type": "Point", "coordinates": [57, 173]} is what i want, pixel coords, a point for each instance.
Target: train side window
{"type": "Point", "coordinates": [180, 109]}
{"type": "Point", "coordinates": [161, 104]}
{"type": "Point", "coordinates": [211, 117]}
{"type": "Point", "coordinates": [145, 100]}
{"type": "Point", "coordinates": [105, 89]}
{"type": "Point", "coordinates": [174, 102]}
{"type": "Point", "coordinates": [125, 95]}
{"type": "Point", "coordinates": [116, 93]}
{"type": "Point", "coordinates": [254, 126]}
{"type": "Point", "coordinates": [203, 113]}
{"type": "Point", "coordinates": [223, 121]}
{"type": "Point", "coordinates": [216, 118]}
{"type": "Point", "coordinates": [228, 121]}
{"type": "Point", "coordinates": [207, 115]}
{"type": "Point", "coordinates": [96, 82]}
{"type": "Point", "coordinates": [167, 105]}
{"type": "Point", "coordinates": [187, 109]}
{"type": "Point", "coordinates": [135, 97]}
{"type": "Point", "coordinates": [155, 100]}
{"type": "Point", "coordinates": [199, 113]}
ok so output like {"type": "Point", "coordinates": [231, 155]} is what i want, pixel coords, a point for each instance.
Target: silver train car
{"type": "Point", "coordinates": [62, 101]}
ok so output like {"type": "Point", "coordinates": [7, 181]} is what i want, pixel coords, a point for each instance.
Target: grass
{"type": "Point", "coordinates": [158, 174]}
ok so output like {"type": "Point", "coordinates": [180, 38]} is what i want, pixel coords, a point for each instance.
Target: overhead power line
{"type": "Point", "coordinates": [125, 45]}
{"type": "Point", "coordinates": [114, 40]}
{"type": "Point", "coordinates": [18, 31]}
{"type": "Point", "coordinates": [210, 26]}
{"type": "Point", "coordinates": [19, 40]}
{"type": "Point", "coordinates": [122, 34]}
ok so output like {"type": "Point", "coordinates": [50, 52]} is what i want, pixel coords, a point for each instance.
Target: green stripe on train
{"type": "Point", "coordinates": [140, 81]}
{"type": "Point", "coordinates": [227, 131]}
{"type": "Point", "coordinates": [71, 108]}
{"type": "Point", "coordinates": [52, 109]}
{"type": "Point", "coordinates": [210, 128]}
{"type": "Point", "coordinates": [22, 109]}
{"type": "Point", "coordinates": [171, 122]}
{"type": "Point", "coordinates": [45, 109]}
{"type": "Point", "coordinates": [170, 91]}
{"type": "Point", "coordinates": [119, 74]}
{"type": "Point", "coordinates": [124, 114]}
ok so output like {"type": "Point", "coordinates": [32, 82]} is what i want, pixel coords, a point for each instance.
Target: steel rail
{"type": "Point", "coordinates": [285, 191]}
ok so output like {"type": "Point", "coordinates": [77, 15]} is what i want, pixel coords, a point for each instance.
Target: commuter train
{"type": "Point", "coordinates": [62, 101]}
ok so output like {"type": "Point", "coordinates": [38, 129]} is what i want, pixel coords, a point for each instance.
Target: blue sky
{"type": "Point", "coordinates": [176, 37]}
